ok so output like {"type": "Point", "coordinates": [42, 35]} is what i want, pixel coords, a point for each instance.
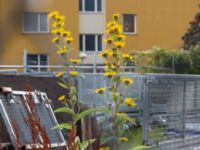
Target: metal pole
{"type": "Point", "coordinates": [95, 62]}
{"type": "Point", "coordinates": [184, 108]}
{"type": "Point", "coordinates": [145, 122]}
{"type": "Point", "coordinates": [173, 64]}
{"type": "Point", "coordinates": [25, 60]}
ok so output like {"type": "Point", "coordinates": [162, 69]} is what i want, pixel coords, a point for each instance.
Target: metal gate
{"type": "Point", "coordinates": [171, 114]}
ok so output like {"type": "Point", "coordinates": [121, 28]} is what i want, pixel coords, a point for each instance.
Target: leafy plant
{"type": "Point", "coordinates": [192, 36]}
{"type": "Point", "coordinates": [195, 59]}
{"type": "Point", "coordinates": [177, 61]}
{"type": "Point", "coordinates": [63, 41]}
{"type": "Point", "coordinates": [115, 41]}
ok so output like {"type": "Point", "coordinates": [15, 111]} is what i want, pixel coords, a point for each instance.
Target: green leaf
{"type": "Point", "coordinates": [128, 119]}
{"type": "Point", "coordinates": [104, 139]}
{"type": "Point", "coordinates": [63, 85]}
{"type": "Point", "coordinates": [90, 111]}
{"type": "Point", "coordinates": [85, 144]}
{"type": "Point", "coordinates": [141, 147]}
{"type": "Point", "coordinates": [77, 140]}
{"type": "Point", "coordinates": [64, 110]}
{"type": "Point", "coordinates": [62, 126]}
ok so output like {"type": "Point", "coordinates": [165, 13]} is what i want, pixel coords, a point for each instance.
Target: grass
{"type": "Point", "coordinates": [135, 138]}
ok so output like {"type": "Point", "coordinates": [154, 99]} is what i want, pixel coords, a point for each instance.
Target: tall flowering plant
{"type": "Point", "coordinates": [115, 41]}
{"type": "Point", "coordinates": [63, 41]}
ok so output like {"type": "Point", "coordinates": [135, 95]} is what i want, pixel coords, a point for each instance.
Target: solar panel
{"type": "Point", "coordinates": [14, 112]}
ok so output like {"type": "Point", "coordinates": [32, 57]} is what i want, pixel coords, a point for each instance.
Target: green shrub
{"type": "Point", "coordinates": [195, 60]}
{"type": "Point", "coordinates": [177, 61]}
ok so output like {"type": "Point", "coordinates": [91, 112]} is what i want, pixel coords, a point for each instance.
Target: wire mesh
{"type": "Point", "coordinates": [88, 82]}
{"type": "Point", "coordinates": [172, 105]}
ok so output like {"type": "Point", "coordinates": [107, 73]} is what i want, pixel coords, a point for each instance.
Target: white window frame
{"type": "Point", "coordinates": [38, 66]}
{"type": "Point", "coordinates": [135, 24]}
{"type": "Point", "coordinates": [38, 17]}
{"type": "Point", "coordinates": [95, 7]}
{"type": "Point", "coordinates": [96, 43]}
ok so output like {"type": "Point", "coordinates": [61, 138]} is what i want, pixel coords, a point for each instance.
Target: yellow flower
{"type": "Point", "coordinates": [127, 81]}
{"type": "Point", "coordinates": [57, 31]}
{"type": "Point", "coordinates": [130, 102]}
{"type": "Point", "coordinates": [116, 16]}
{"type": "Point", "coordinates": [62, 51]}
{"type": "Point", "coordinates": [68, 39]}
{"type": "Point", "coordinates": [60, 74]}
{"type": "Point", "coordinates": [61, 98]}
{"type": "Point", "coordinates": [121, 37]}
{"type": "Point", "coordinates": [58, 24]}
{"type": "Point", "coordinates": [60, 18]}
{"type": "Point", "coordinates": [66, 33]}
{"type": "Point", "coordinates": [100, 90]}
{"type": "Point", "coordinates": [107, 53]}
{"type": "Point", "coordinates": [109, 40]}
{"type": "Point", "coordinates": [55, 39]}
{"type": "Point", "coordinates": [109, 67]}
{"type": "Point", "coordinates": [123, 139]}
{"type": "Point", "coordinates": [75, 61]}
{"type": "Point", "coordinates": [74, 73]}
{"type": "Point", "coordinates": [128, 57]}
{"type": "Point", "coordinates": [53, 14]}
{"type": "Point", "coordinates": [104, 148]}
{"type": "Point", "coordinates": [119, 44]}
{"type": "Point", "coordinates": [110, 74]}
{"type": "Point", "coordinates": [110, 24]}
{"type": "Point", "coordinates": [109, 31]}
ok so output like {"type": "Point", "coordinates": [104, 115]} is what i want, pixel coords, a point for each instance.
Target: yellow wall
{"type": "Point", "coordinates": [14, 40]}
{"type": "Point", "coordinates": [159, 22]}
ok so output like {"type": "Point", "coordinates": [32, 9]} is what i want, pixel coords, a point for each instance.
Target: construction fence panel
{"type": "Point", "coordinates": [88, 82]}
{"type": "Point", "coordinates": [171, 111]}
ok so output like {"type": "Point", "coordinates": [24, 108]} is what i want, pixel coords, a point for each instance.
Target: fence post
{"type": "Point", "coordinates": [25, 60]}
{"type": "Point", "coordinates": [145, 120]}
{"type": "Point", "coordinates": [184, 108]}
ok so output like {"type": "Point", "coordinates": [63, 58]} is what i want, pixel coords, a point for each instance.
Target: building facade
{"type": "Point", "coordinates": [25, 37]}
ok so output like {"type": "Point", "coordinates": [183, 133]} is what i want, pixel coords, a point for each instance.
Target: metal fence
{"type": "Point", "coordinates": [88, 82]}
{"type": "Point", "coordinates": [171, 114]}
{"type": "Point", "coordinates": [170, 106]}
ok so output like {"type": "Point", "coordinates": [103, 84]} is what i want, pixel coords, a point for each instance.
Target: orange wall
{"type": "Point", "coordinates": [159, 22]}
{"type": "Point", "coordinates": [14, 40]}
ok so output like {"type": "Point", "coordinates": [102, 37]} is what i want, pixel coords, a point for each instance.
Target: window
{"type": "Point", "coordinates": [35, 22]}
{"type": "Point", "coordinates": [90, 42]}
{"type": "Point", "coordinates": [36, 61]}
{"type": "Point", "coordinates": [90, 5]}
{"type": "Point", "coordinates": [129, 23]}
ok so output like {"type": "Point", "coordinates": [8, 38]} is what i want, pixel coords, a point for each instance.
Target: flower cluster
{"type": "Point", "coordinates": [63, 41]}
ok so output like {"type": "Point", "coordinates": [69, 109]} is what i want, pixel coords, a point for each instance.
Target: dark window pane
{"type": "Point", "coordinates": [30, 22]}
{"type": "Point", "coordinates": [43, 22]}
{"type": "Point", "coordinates": [90, 42]}
{"type": "Point", "coordinates": [43, 60]}
{"type": "Point", "coordinates": [129, 23]}
{"type": "Point", "coordinates": [99, 42]}
{"type": "Point", "coordinates": [99, 5]}
{"type": "Point", "coordinates": [89, 5]}
{"type": "Point", "coordinates": [81, 42]}
{"type": "Point", "coordinates": [80, 5]}
{"type": "Point", "coordinates": [32, 60]}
